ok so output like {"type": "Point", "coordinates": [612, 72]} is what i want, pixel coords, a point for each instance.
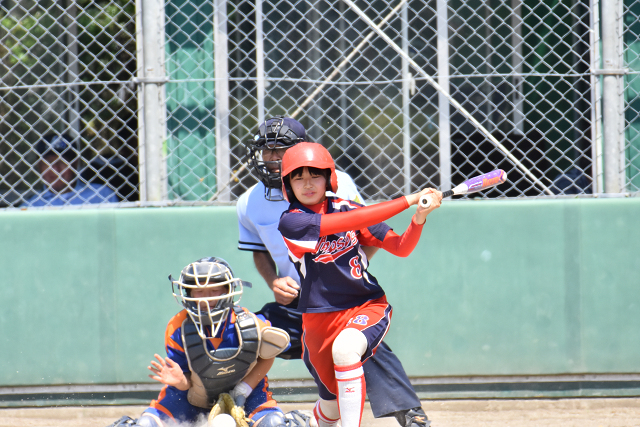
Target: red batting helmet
{"type": "Point", "coordinates": [310, 154]}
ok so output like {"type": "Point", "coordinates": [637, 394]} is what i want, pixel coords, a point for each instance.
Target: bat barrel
{"type": "Point", "coordinates": [484, 181]}
{"type": "Point", "coordinates": [478, 183]}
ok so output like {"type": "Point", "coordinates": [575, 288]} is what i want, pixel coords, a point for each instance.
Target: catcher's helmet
{"type": "Point", "coordinates": [310, 154]}
{"type": "Point", "coordinates": [207, 273]}
{"type": "Point", "coordinates": [276, 132]}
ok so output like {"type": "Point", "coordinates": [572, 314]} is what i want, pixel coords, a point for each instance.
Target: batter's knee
{"type": "Point", "coordinates": [348, 347]}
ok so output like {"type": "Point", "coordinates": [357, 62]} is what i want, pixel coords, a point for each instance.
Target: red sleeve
{"type": "Point", "coordinates": [363, 217]}
{"type": "Point", "coordinates": [403, 245]}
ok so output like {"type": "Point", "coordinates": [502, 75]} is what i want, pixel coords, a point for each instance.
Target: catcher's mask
{"type": "Point", "coordinates": [276, 132]}
{"type": "Point", "coordinates": [210, 311]}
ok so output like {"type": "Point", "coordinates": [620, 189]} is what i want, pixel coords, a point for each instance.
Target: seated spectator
{"type": "Point", "coordinates": [59, 157]}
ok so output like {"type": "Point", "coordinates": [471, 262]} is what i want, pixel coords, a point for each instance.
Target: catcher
{"type": "Point", "coordinates": [218, 354]}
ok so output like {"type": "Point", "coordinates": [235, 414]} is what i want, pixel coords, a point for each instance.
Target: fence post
{"type": "Point", "coordinates": [612, 95]}
{"type": "Point", "coordinates": [596, 98]}
{"type": "Point", "coordinates": [154, 77]}
{"type": "Point", "coordinates": [73, 99]}
{"type": "Point", "coordinates": [406, 102]}
{"type": "Point", "coordinates": [444, 115]}
{"type": "Point", "coordinates": [221, 56]}
{"type": "Point", "coordinates": [260, 75]}
{"type": "Point", "coordinates": [517, 64]}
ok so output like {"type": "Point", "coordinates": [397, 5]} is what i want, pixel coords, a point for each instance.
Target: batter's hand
{"type": "Point", "coordinates": [285, 289]}
{"type": "Point", "coordinates": [436, 198]}
{"type": "Point", "coordinates": [168, 372]}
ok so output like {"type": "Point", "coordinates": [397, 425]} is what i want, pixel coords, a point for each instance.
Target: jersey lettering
{"type": "Point", "coordinates": [329, 251]}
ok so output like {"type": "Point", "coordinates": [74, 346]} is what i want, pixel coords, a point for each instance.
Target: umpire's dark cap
{"type": "Point", "coordinates": [283, 130]}
{"type": "Point", "coordinates": [59, 145]}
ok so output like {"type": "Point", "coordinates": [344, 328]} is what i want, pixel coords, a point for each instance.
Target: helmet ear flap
{"type": "Point", "coordinates": [334, 181]}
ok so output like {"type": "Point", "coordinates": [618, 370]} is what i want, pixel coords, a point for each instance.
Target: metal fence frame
{"type": "Point", "coordinates": [608, 74]}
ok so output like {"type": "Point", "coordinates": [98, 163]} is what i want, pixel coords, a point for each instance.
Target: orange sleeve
{"type": "Point", "coordinates": [363, 217]}
{"type": "Point", "coordinates": [172, 327]}
{"type": "Point", "coordinates": [403, 245]}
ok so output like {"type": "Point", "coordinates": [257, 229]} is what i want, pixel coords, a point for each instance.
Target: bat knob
{"type": "Point", "coordinates": [425, 201]}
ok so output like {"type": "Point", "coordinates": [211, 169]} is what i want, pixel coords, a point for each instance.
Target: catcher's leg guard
{"type": "Point", "coordinates": [272, 419]}
{"type": "Point", "coordinates": [298, 419]}
{"type": "Point", "coordinates": [288, 318]}
{"type": "Point", "coordinates": [290, 419]}
{"type": "Point", "coordinates": [146, 420]}
{"type": "Point", "coordinates": [124, 421]}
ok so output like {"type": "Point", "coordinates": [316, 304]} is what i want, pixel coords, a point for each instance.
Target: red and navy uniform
{"type": "Point", "coordinates": [337, 291]}
{"type": "Point", "coordinates": [172, 403]}
{"type": "Point", "coordinates": [324, 244]}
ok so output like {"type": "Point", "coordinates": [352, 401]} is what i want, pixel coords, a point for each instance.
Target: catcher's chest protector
{"type": "Point", "coordinates": [220, 370]}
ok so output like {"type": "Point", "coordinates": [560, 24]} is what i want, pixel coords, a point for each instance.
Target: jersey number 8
{"type": "Point", "coordinates": [356, 269]}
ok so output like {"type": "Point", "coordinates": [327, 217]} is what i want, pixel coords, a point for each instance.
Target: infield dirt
{"type": "Point", "coordinates": [588, 412]}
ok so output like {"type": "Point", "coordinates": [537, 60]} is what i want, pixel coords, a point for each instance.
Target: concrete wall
{"type": "Point", "coordinates": [494, 288]}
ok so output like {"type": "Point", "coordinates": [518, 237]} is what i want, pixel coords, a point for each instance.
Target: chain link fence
{"type": "Point", "coordinates": [66, 68]}
{"type": "Point", "coordinates": [162, 94]}
{"type": "Point", "coordinates": [631, 141]}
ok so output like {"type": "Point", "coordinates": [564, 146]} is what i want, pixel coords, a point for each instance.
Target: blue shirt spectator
{"type": "Point", "coordinates": [81, 194]}
{"type": "Point", "coordinates": [58, 169]}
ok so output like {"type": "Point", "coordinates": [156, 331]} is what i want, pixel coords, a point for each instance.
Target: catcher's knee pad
{"type": "Point", "coordinates": [348, 347]}
{"type": "Point", "coordinates": [272, 419]}
{"type": "Point", "coordinates": [149, 420]}
{"type": "Point", "coordinates": [298, 418]}
{"type": "Point", "coordinates": [290, 419]}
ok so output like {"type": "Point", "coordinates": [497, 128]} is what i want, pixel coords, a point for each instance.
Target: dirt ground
{"type": "Point", "coordinates": [587, 412]}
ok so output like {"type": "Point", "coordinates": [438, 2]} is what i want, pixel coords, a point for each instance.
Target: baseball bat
{"type": "Point", "coordinates": [477, 183]}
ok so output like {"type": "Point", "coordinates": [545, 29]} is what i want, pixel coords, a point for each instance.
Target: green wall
{"type": "Point", "coordinates": [493, 288]}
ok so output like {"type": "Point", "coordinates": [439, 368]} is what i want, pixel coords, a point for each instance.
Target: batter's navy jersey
{"type": "Point", "coordinates": [333, 269]}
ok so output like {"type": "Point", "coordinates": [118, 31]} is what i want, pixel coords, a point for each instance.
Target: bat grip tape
{"type": "Point", "coordinates": [447, 193]}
